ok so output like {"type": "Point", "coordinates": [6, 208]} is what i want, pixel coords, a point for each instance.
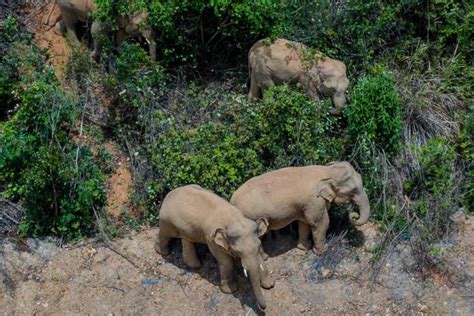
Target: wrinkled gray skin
{"type": "Point", "coordinates": [283, 61]}
{"type": "Point", "coordinates": [303, 194]}
{"type": "Point", "coordinates": [199, 216]}
{"type": "Point", "coordinates": [73, 11]}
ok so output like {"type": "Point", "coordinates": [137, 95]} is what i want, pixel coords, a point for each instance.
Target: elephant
{"type": "Point", "coordinates": [303, 194]}
{"type": "Point", "coordinates": [284, 61]}
{"type": "Point", "coordinates": [74, 11]}
{"type": "Point", "coordinates": [197, 215]}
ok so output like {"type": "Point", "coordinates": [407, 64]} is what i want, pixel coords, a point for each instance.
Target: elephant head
{"type": "Point", "coordinates": [344, 185]}
{"type": "Point", "coordinates": [135, 25]}
{"type": "Point", "coordinates": [331, 80]}
{"type": "Point", "coordinates": [241, 239]}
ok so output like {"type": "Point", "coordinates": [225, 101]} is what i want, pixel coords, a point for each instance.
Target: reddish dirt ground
{"type": "Point", "coordinates": [43, 19]}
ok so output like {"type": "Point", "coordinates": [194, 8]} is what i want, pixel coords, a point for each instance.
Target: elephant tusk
{"type": "Point", "coordinates": [261, 267]}
{"type": "Point", "coordinates": [245, 272]}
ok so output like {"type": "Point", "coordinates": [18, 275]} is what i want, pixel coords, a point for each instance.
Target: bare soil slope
{"type": "Point", "coordinates": [128, 277]}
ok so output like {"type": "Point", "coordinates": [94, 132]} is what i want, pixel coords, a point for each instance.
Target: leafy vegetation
{"type": "Point", "coordinates": [407, 128]}
{"type": "Point", "coordinates": [374, 116]}
{"type": "Point", "coordinates": [57, 180]}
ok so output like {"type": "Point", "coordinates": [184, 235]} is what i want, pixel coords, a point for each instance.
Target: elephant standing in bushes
{"type": "Point", "coordinates": [284, 61]}
{"type": "Point", "coordinates": [199, 216]}
{"type": "Point", "coordinates": [74, 11]}
{"type": "Point", "coordinates": [303, 194]}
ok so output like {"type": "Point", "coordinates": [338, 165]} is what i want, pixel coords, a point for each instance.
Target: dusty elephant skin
{"type": "Point", "coordinates": [199, 216]}
{"type": "Point", "coordinates": [74, 11]}
{"type": "Point", "coordinates": [284, 61]}
{"type": "Point", "coordinates": [303, 194]}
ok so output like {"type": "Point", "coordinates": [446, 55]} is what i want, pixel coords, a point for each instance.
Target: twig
{"type": "Point", "coordinates": [108, 243]}
{"type": "Point", "coordinates": [80, 130]}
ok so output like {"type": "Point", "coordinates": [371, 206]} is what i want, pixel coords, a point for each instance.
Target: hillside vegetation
{"type": "Point", "coordinates": [408, 127]}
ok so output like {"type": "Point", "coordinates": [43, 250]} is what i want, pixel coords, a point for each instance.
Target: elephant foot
{"type": "Point", "coordinates": [229, 287]}
{"type": "Point", "coordinates": [94, 55]}
{"type": "Point", "coordinates": [161, 251]}
{"type": "Point", "coordinates": [192, 262]}
{"type": "Point", "coordinates": [59, 29]}
{"type": "Point", "coordinates": [304, 245]}
{"type": "Point", "coordinates": [320, 250]}
{"type": "Point", "coordinates": [267, 283]}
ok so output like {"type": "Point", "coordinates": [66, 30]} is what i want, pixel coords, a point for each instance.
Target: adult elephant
{"type": "Point", "coordinates": [284, 61]}
{"type": "Point", "coordinates": [196, 215]}
{"type": "Point", "coordinates": [303, 194]}
{"type": "Point", "coordinates": [74, 11]}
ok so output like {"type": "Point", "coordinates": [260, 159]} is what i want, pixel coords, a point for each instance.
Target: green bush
{"type": "Point", "coordinates": [57, 181]}
{"type": "Point", "coordinates": [433, 188]}
{"type": "Point", "coordinates": [294, 131]}
{"type": "Point", "coordinates": [467, 148]}
{"type": "Point", "coordinates": [359, 31]}
{"type": "Point", "coordinates": [209, 155]}
{"type": "Point", "coordinates": [374, 115]}
{"type": "Point", "coordinates": [191, 31]}
{"type": "Point", "coordinates": [219, 140]}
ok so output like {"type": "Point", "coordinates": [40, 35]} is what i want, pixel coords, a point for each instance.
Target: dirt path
{"type": "Point", "coordinates": [41, 23]}
{"type": "Point", "coordinates": [133, 279]}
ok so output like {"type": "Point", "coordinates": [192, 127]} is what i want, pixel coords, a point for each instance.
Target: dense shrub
{"type": "Point", "coordinates": [191, 31]}
{"type": "Point", "coordinates": [219, 140]}
{"type": "Point", "coordinates": [434, 188]}
{"type": "Point", "coordinates": [57, 181]}
{"type": "Point", "coordinates": [374, 115]}
{"type": "Point", "coordinates": [294, 131]}
{"type": "Point", "coordinates": [467, 147]}
{"type": "Point", "coordinates": [360, 31]}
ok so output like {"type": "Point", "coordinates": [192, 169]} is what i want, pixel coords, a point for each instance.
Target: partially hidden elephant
{"type": "Point", "coordinates": [303, 194]}
{"type": "Point", "coordinates": [74, 11]}
{"type": "Point", "coordinates": [284, 61]}
{"type": "Point", "coordinates": [197, 215]}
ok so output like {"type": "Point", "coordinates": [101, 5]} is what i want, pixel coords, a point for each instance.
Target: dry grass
{"type": "Point", "coordinates": [428, 112]}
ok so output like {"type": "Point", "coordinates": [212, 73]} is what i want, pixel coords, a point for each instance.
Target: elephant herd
{"type": "Point", "coordinates": [270, 63]}
{"type": "Point", "coordinates": [267, 202]}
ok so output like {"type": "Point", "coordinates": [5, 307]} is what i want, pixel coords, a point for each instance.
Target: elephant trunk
{"type": "Point", "coordinates": [339, 101]}
{"type": "Point", "coordinates": [362, 202]}
{"type": "Point", "coordinates": [254, 276]}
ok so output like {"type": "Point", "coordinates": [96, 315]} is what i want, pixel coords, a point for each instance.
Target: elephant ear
{"type": "Point", "coordinates": [326, 190]}
{"type": "Point", "coordinates": [262, 223]}
{"type": "Point", "coordinates": [139, 17]}
{"type": "Point", "coordinates": [220, 238]}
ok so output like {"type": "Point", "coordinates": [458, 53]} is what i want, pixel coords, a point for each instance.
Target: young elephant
{"type": "Point", "coordinates": [199, 216]}
{"type": "Point", "coordinates": [74, 11]}
{"type": "Point", "coordinates": [284, 61]}
{"type": "Point", "coordinates": [303, 194]}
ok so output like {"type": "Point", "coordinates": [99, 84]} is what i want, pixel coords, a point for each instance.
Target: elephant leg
{"type": "Point", "coordinates": [153, 49]}
{"type": "Point", "coordinates": [319, 230]}
{"type": "Point", "coordinates": [304, 231]}
{"type": "Point", "coordinates": [99, 31]}
{"type": "Point", "coordinates": [163, 240]}
{"type": "Point", "coordinates": [226, 265]}
{"type": "Point", "coordinates": [265, 85]}
{"type": "Point", "coordinates": [60, 28]}
{"type": "Point", "coordinates": [189, 254]}
{"type": "Point", "coordinates": [150, 35]}
{"type": "Point", "coordinates": [70, 22]}
{"type": "Point", "coordinates": [120, 37]}
{"type": "Point", "coordinates": [254, 92]}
